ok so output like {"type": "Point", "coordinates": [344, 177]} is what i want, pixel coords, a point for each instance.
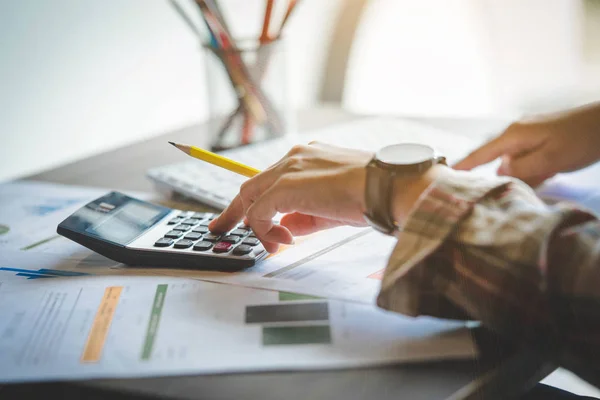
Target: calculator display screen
{"type": "Point", "coordinates": [116, 218]}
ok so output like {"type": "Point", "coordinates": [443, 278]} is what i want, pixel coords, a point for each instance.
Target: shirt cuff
{"type": "Point", "coordinates": [434, 217]}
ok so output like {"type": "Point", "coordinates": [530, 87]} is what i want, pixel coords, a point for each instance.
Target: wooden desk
{"type": "Point", "coordinates": [125, 168]}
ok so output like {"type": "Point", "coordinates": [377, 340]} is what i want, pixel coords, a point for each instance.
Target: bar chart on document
{"type": "Point", "coordinates": [77, 328]}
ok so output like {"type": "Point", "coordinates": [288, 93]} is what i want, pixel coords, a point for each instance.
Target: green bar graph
{"type": "Point", "coordinates": [289, 296]}
{"type": "Point", "coordinates": [289, 335]}
{"type": "Point", "coordinates": [41, 242]}
{"type": "Point", "coordinates": [157, 306]}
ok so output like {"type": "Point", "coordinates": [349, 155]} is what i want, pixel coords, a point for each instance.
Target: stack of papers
{"type": "Point", "coordinates": [68, 313]}
{"type": "Point", "coordinates": [80, 328]}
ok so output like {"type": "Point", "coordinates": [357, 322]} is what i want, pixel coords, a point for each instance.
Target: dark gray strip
{"type": "Point", "coordinates": [289, 312]}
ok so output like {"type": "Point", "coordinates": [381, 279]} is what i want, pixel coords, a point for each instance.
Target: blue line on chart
{"type": "Point", "coordinates": [34, 276]}
{"type": "Point", "coordinates": [51, 206]}
{"type": "Point", "coordinates": [42, 273]}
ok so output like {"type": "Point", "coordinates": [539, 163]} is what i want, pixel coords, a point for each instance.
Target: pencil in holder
{"type": "Point", "coordinates": [247, 92]}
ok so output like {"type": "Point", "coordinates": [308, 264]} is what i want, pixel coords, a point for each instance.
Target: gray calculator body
{"type": "Point", "coordinates": [138, 233]}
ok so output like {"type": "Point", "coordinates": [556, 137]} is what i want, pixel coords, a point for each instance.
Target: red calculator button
{"type": "Point", "coordinates": [222, 247]}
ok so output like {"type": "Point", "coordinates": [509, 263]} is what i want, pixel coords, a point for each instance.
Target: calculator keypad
{"type": "Point", "coordinates": [231, 239]}
{"type": "Point", "coordinates": [222, 247]}
{"type": "Point", "coordinates": [242, 249]}
{"type": "Point", "coordinates": [173, 234]}
{"type": "Point", "coordinates": [251, 241]}
{"type": "Point", "coordinates": [212, 237]}
{"type": "Point", "coordinates": [190, 231]}
{"type": "Point", "coordinates": [163, 242]}
{"type": "Point", "coordinates": [193, 236]}
{"type": "Point", "coordinates": [183, 244]}
{"type": "Point", "coordinates": [203, 246]}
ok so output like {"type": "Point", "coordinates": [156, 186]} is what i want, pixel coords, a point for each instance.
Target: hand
{"type": "Point", "coordinates": [537, 149]}
{"type": "Point", "coordinates": [318, 186]}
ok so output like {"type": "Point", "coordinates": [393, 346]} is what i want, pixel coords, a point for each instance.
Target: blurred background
{"type": "Point", "coordinates": [78, 77]}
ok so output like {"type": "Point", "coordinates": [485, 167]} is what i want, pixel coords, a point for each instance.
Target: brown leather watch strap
{"type": "Point", "coordinates": [379, 187]}
{"type": "Point", "coordinates": [378, 197]}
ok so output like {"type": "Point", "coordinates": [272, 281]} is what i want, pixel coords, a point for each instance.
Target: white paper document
{"type": "Point", "coordinates": [92, 327]}
{"type": "Point", "coordinates": [31, 211]}
{"type": "Point", "coordinates": [344, 263]}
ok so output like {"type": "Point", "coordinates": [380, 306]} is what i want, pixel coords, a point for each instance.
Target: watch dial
{"type": "Point", "coordinates": [404, 154]}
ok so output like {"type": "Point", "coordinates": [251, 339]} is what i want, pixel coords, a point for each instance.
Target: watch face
{"type": "Point", "coordinates": [405, 154]}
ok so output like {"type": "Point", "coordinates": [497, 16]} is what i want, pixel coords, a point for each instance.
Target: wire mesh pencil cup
{"type": "Point", "coordinates": [247, 92]}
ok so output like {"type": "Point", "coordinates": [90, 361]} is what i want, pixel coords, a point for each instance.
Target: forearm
{"type": "Point", "coordinates": [588, 115]}
{"type": "Point", "coordinates": [489, 248]}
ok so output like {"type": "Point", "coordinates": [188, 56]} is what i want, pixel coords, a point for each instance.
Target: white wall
{"type": "Point", "coordinates": [81, 76]}
{"type": "Point", "coordinates": [419, 57]}
{"type": "Point", "coordinates": [475, 57]}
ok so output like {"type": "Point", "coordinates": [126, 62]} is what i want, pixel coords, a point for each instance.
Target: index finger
{"type": "Point", "coordinates": [260, 216]}
{"type": "Point", "coordinates": [485, 154]}
{"type": "Point", "coordinates": [229, 217]}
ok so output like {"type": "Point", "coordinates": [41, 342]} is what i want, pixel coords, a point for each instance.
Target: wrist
{"type": "Point", "coordinates": [408, 189]}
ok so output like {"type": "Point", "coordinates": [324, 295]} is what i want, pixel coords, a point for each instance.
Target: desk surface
{"type": "Point", "coordinates": [125, 168]}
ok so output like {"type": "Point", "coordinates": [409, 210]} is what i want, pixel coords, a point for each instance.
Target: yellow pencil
{"type": "Point", "coordinates": [217, 160]}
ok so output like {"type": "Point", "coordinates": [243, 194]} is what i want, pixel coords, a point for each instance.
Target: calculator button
{"type": "Point", "coordinates": [204, 223]}
{"type": "Point", "coordinates": [183, 244]}
{"type": "Point", "coordinates": [200, 229]}
{"type": "Point", "coordinates": [174, 221]}
{"type": "Point", "coordinates": [211, 237]}
{"type": "Point", "coordinates": [163, 242]}
{"type": "Point", "coordinates": [173, 234]}
{"type": "Point", "coordinates": [239, 232]}
{"type": "Point", "coordinates": [184, 214]}
{"type": "Point", "coordinates": [222, 247]}
{"type": "Point", "coordinates": [193, 236]}
{"type": "Point", "coordinates": [242, 249]}
{"type": "Point", "coordinates": [191, 221]}
{"type": "Point", "coordinates": [231, 239]}
{"type": "Point", "coordinates": [203, 246]}
{"type": "Point", "coordinates": [182, 227]}
{"type": "Point", "coordinates": [200, 215]}
{"type": "Point", "coordinates": [251, 241]}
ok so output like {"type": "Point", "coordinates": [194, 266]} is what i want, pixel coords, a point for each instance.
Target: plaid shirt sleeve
{"type": "Point", "coordinates": [490, 250]}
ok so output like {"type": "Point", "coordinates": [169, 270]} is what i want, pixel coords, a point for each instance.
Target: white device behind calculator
{"type": "Point", "coordinates": [216, 187]}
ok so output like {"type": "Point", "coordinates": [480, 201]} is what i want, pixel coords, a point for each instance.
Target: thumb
{"type": "Point", "coordinates": [503, 144]}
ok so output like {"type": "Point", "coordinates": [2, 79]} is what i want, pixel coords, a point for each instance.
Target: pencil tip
{"type": "Point", "coordinates": [173, 144]}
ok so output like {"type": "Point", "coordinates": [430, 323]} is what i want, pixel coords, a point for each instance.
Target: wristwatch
{"type": "Point", "coordinates": [389, 163]}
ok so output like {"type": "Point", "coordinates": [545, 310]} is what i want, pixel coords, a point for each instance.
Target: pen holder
{"type": "Point", "coordinates": [247, 93]}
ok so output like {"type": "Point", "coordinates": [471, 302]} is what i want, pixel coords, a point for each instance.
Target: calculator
{"type": "Point", "coordinates": [139, 233]}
